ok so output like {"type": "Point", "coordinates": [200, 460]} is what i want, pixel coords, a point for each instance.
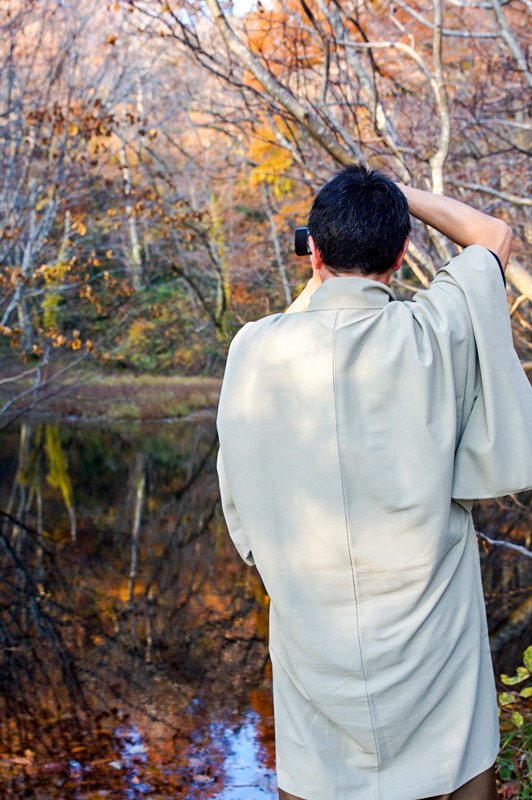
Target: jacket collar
{"type": "Point", "coordinates": [350, 292]}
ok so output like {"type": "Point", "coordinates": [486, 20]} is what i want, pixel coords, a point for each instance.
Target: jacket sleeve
{"type": "Point", "coordinates": [494, 454]}
{"type": "Point", "coordinates": [234, 524]}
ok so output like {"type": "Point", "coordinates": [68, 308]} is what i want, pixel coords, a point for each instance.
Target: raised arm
{"type": "Point", "coordinates": [460, 223]}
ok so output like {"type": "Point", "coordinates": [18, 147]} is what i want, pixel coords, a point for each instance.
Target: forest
{"type": "Point", "coordinates": [155, 159]}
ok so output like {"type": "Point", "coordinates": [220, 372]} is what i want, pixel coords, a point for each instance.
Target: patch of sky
{"type": "Point", "coordinates": [247, 777]}
{"type": "Point", "coordinates": [241, 7]}
{"type": "Point", "coordinates": [133, 751]}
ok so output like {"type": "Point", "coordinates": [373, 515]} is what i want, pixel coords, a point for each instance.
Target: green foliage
{"type": "Point", "coordinates": [506, 699]}
{"type": "Point", "coordinates": [522, 675]}
{"type": "Point", "coordinates": [514, 764]}
{"type": "Point", "coordinates": [126, 411]}
{"type": "Point", "coordinates": [164, 336]}
{"type": "Point", "coordinates": [527, 659]}
{"type": "Point", "coordinates": [252, 214]}
{"type": "Point", "coordinates": [518, 719]}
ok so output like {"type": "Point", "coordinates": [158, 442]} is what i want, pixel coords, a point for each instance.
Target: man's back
{"type": "Point", "coordinates": [356, 408]}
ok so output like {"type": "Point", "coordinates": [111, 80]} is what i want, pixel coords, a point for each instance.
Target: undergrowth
{"type": "Point", "coordinates": [514, 764]}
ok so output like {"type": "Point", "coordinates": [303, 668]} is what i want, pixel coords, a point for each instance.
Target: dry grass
{"type": "Point", "coordinates": [89, 394]}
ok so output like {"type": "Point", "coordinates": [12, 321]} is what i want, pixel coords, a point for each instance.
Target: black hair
{"type": "Point", "coordinates": [359, 221]}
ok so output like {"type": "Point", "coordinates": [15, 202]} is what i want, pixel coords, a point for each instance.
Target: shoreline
{"type": "Point", "coordinates": [94, 396]}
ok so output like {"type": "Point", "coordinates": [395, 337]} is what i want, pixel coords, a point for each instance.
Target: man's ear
{"type": "Point", "coordinates": [399, 259]}
{"type": "Point", "coordinates": [315, 255]}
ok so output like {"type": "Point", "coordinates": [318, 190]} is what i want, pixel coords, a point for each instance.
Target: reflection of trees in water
{"type": "Point", "coordinates": [121, 650]}
{"type": "Point", "coordinates": [36, 662]}
{"type": "Point", "coordinates": [35, 652]}
{"type": "Point", "coordinates": [41, 459]}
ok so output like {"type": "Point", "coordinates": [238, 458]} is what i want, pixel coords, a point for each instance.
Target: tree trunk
{"type": "Point", "coordinates": [135, 255]}
{"type": "Point", "coordinates": [276, 244]}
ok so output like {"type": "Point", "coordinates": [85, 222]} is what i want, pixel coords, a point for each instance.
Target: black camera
{"type": "Point", "coordinates": [301, 242]}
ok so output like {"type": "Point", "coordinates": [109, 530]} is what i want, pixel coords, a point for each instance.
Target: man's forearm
{"type": "Point", "coordinates": [459, 222]}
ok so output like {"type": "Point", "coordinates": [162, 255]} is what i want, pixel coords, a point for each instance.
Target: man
{"type": "Point", "coordinates": [354, 436]}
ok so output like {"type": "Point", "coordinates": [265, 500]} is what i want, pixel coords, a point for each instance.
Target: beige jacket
{"type": "Point", "coordinates": [353, 438]}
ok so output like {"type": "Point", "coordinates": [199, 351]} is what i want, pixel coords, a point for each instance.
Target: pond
{"type": "Point", "coordinates": [134, 640]}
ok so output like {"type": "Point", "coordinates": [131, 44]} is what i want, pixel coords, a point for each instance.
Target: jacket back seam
{"type": "Point", "coordinates": [351, 560]}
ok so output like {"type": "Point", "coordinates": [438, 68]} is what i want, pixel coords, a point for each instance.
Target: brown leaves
{"type": "Point", "coordinates": [509, 790]}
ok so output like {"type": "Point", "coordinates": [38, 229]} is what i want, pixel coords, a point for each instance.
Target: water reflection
{"type": "Point", "coordinates": [134, 640]}
{"type": "Point", "coordinates": [131, 654]}
{"type": "Point", "coordinates": [244, 765]}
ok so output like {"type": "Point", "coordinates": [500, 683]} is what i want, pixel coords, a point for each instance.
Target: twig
{"type": "Point", "coordinates": [511, 41]}
{"type": "Point", "coordinates": [446, 31]}
{"type": "Point", "coordinates": [477, 187]}
{"type": "Point", "coordinates": [19, 376]}
{"type": "Point", "coordinates": [27, 528]}
{"type": "Point", "coordinates": [519, 548]}
{"type": "Point", "coordinates": [517, 303]}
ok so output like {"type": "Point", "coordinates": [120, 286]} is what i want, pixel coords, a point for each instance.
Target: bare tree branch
{"type": "Point", "coordinates": [511, 41]}
{"type": "Point", "coordinates": [502, 543]}
{"type": "Point", "coordinates": [506, 196]}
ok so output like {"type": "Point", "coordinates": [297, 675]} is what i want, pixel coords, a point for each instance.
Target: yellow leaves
{"type": "Point", "coordinates": [510, 704]}
{"type": "Point", "coordinates": [522, 675]}
{"type": "Point", "coordinates": [271, 159]}
{"type": "Point", "coordinates": [292, 210]}
{"type": "Point", "coordinates": [45, 199]}
{"type": "Point", "coordinates": [140, 330]}
{"type": "Point", "coordinates": [58, 476]}
{"type": "Point", "coordinates": [54, 276]}
{"type": "Point", "coordinates": [506, 699]}
{"type": "Point", "coordinates": [262, 143]}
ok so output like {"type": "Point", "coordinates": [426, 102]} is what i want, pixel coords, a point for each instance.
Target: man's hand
{"type": "Point", "coordinates": [461, 223]}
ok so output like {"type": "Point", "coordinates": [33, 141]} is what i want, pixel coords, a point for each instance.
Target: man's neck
{"type": "Point", "coordinates": [380, 277]}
